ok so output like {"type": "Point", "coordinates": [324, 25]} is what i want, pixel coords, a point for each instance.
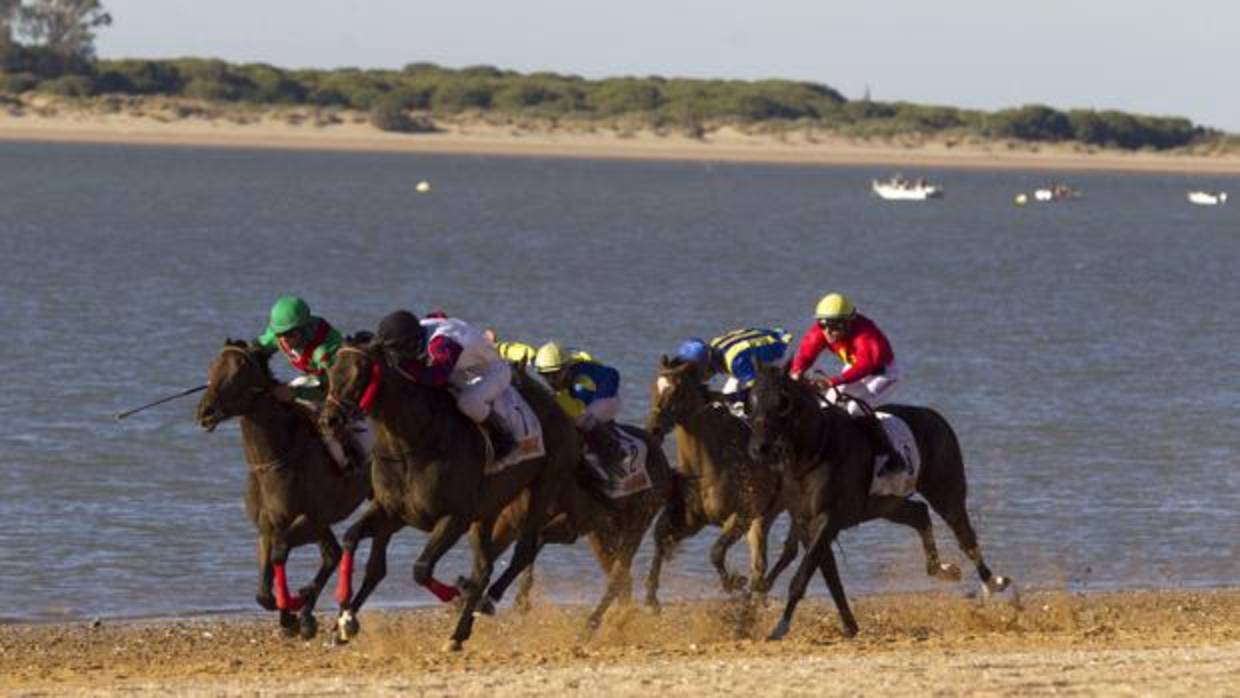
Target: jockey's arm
{"type": "Point", "coordinates": [812, 344]}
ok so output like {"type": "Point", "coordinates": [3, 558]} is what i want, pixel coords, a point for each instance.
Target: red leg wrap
{"type": "Point", "coordinates": [344, 582]}
{"type": "Point", "coordinates": [284, 602]}
{"type": "Point", "coordinates": [442, 591]}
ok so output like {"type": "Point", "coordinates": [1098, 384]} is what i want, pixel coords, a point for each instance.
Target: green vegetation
{"type": "Point", "coordinates": [47, 46]}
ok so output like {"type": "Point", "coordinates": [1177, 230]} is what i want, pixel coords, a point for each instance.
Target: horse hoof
{"type": "Point", "coordinates": [347, 626]}
{"type": "Point", "coordinates": [453, 646]}
{"type": "Point", "coordinates": [267, 602]}
{"type": "Point", "coordinates": [734, 583]}
{"type": "Point", "coordinates": [653, 605]}
{"type": "Point", "coordinates": [947, 572]}
{"type": "Point", "coordinates": [309, 627]}
{"type": "Point", "coordinates": [850, 628]}
{"type": "Point", "coordinates": [779, 632]}
{"type": "Point", "coordinates": [995, 585]}
{"type": "Point", "coordinates": [486, 606]}
{"type": "Point", "coordinates": [289, 624]}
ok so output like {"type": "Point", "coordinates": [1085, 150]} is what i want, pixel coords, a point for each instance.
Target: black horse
{"type": "Point", "coordinates": [832, 464]}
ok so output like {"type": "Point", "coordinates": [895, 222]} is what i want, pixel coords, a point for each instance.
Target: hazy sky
{"type": "Point", "coordinates": [1147, 56]}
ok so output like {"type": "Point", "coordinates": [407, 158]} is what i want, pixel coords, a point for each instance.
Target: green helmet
{"type": "Point", "coordinates": [289, 313]}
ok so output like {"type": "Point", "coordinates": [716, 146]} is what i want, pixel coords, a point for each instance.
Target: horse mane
{"type": "Point", "coordinates": [257, 355]}
{"type": "Point", "coordinates": [676, 366]}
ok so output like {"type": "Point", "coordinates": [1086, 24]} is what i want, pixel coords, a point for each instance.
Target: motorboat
{"type": "Point", "coordinates": [899, 188]}
{"type": "Point", "coordinates": [1056, 192]}
{"type": "Point", "coordinates": [1207, 198]}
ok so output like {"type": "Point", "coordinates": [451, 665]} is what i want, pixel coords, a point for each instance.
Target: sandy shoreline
{"type": "Point", "coordinates": [168, 124]}
{"type": "Point", "coordinates": [1131, 643]}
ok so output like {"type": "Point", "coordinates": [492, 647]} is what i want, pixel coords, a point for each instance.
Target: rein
{"type": "Point", "coordinates": [366, 404]}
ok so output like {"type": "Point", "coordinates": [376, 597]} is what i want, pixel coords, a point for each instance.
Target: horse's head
{"type": "Point", "coordinates": [236, 377]}
{"type": "Point", "coordinates": [675, 395]}
{"type": "Point", "coordinates": [775, 403]}
{"type": "Point", "coordinates": [348, 378]}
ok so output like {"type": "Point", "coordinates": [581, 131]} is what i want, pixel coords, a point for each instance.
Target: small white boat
{"type": "Point", "coordinates": [900, 189]}
{"type": "Point", "coordinates": [1056, 192]}
{"type": "Point", "coordinates": [1207, 198]}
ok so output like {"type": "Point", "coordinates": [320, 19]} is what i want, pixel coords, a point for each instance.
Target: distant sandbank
{"type": "Point", "coordinates": [177, 124]}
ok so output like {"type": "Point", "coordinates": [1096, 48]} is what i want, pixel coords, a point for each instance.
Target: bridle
{"type": "Point", "coordinates": [351, 409]}
{"type": "Point", "coordinates": [254, 391]}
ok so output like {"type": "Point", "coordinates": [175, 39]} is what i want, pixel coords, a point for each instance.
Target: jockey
{"type": "Point", "coordinates": [310, 344]}
{"type": "Point", "coordinates": [517, 353]}
{"type": "Point", "coordinates": [447, 351]}
{"type": "Point", "coordinates": [737, 355]}
{"type": "Point", "coordinates": [589, 392]}
{"type": "Point", "coordinates": [870, 371]}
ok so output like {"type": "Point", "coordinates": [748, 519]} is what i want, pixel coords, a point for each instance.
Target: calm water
{"type": "Point", "coordinates": [1086, 353]}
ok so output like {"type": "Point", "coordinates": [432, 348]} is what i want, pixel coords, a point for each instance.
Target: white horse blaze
{"type": "Point", "coordinates": [662, 385]}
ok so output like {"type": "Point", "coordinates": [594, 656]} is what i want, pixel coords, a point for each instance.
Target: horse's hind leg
{"type": "Point", "coordinates": [916, 514]}
{"type": "Point", "coordinates": [525, 589]}
{"type": "Point", "coordinates": [732, 532]}
{"type": "Point", "coordinates": [957, 517]}
{"type": "Point", "coordinates": [618, 563]}
{"type": "Point", "coordinates": [558, 531]}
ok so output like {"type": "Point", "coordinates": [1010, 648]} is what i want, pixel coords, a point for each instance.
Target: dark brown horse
{"type": "Point", "coordinates": [832, 464]}
{"type": "Point", "coordinates": [428, 472]}
{"type": "Point", "coordinates": [294, 489]}
{"type": "Point", "coordinates": [717, 482]}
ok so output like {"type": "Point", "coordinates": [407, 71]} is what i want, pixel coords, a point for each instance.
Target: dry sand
{"type": "Point", "coordinates": [155, 121]}
{"type": "Point", "coordinates": [1154, 643]}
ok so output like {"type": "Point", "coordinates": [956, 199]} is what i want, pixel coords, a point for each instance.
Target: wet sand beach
{"type": "Point", "coordinates": [1130, 643]}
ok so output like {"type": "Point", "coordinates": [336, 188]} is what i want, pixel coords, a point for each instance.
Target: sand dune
{"type": "Point", "coordinates": [176, 123]}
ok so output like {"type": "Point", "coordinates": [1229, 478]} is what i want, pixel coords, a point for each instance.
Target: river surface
{"type": "Point", "coordinates": [1085, 352]}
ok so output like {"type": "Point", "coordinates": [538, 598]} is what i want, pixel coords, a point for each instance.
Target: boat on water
{"type": "Point", "coordinates": [1056, 192]}
{"type": "Point", "coordinates": [1207, 198]}
{"type": "Point", "coordinates": [899, 188]}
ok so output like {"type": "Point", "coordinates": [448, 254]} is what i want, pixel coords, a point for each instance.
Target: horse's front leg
{"type": "Point", "coordinates": [668, 531]}
{"type": "Point", "coordinates": [732, 532]}
{"type": "Point", "coordinates": [484, 556]}
{"type": "Point", "coordinates": [265, 597]}
{"type": "Point", "coordinates": [282, 541]}
{"type": "Point", "coordinates": [377, 525]}
{"type": "Point", "coordinates": [818, 555]}
{"type": "Point", "coordinates": [756, 537]}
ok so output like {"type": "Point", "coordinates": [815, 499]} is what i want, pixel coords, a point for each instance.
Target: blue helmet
{"type": "Point", "coordinates": [694, 350]}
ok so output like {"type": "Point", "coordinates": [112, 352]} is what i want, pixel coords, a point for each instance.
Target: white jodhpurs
{"type": "Point", "coordinates": [872, 390]}
{"type": "Point", "coordinates": [600, 411]}
{"type": "Point", "coordinates": [475, 393]}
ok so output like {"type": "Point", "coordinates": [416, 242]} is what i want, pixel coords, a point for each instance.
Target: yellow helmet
{"type": "Point", "coordinates": [551, 358]}
{"type": "Point", "coordinates": [834, 306]}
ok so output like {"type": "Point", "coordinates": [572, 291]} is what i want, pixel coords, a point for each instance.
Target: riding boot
{"type": "Point", "coordinates": [501, 439]}
{"type": "Point", "coordinates": [603, 443]}
{"type": "Point", "coordinates": [888, 459]}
